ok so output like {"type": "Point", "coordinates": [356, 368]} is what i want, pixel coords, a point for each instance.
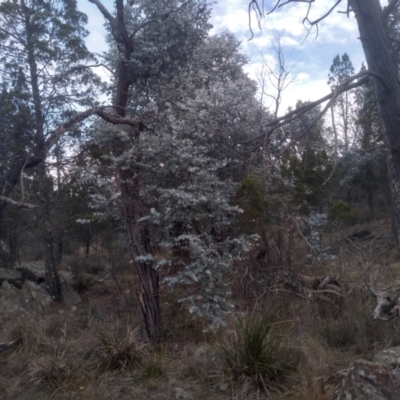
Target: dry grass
{"type": "Point", "coordinates": [257, 351]}
{"type": "Point", "coordinates": [120, 348]}
{"type": "Point", "coordinates": [96, 351]}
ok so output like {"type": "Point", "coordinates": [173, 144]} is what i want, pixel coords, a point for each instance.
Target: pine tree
{"type": "Point", "coordinates": [42, 41]}
{"type": "Point", "coordinates": [340, 71]}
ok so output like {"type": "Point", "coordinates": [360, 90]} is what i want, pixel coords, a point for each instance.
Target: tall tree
{"type": "Point", "coordinates": [373, 22]}
{"type": "Point", "coordinates": [152, 42]}
{"type": "Point", "coordinates": [341, 70]}
{"type": "Point", "coordinates": [42, 43]}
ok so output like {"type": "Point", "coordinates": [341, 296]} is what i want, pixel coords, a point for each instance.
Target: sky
{"type": "Point", "coordinates": [309, 57]}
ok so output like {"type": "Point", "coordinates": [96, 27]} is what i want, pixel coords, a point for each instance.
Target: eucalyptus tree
{"type": "Point", "coordinates": [202, 107]}
{"type": "Point", "coordinates": [379, 42]}
{"type": "Point", "coordinates": [16, 132]}
{"type": "Point", "coordinates": [369, 157]}
{"type": "Point", "coordinates": [308, 165]}
{"type": "Point", "coordinates": [151, 41]}
{"type": "Point", "coordinates": [341, 70]}
{"type": "Point", "coordinates": [43, 52]}
{"type": "Point", "coordinates": [191, 168]}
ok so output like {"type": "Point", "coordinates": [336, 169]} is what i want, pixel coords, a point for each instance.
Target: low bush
{"type": "Point", "coordinates": [83, 282]}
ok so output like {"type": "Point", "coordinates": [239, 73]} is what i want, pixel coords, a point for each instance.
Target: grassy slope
{"type": "Point", "coordinates": [94, 351]}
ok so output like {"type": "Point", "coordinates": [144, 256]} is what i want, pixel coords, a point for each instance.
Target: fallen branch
{"type": "Point", "coordinates": [17, 204]}
{"type": "Point", "coordinates": [9, 345]}
{"type": "Point", "coordinates": [388, 306]}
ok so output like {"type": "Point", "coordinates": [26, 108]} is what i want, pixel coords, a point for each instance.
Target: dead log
{"type": "Point", "coordinates": [325, 288]}
{"type": "Point", "coordinates": [388, 305]}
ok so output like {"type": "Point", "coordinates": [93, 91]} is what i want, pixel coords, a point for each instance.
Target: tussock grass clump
{"type": "Point", "coordinates": [257, 350]}
{"type": "Point", "coordinates": [153, 367]}
{"type": "Point", "coordinates": [83, 282]}
{"type": "Point", "coordinates": [120, 348]}
{"type": "Point", "coordinates": [54, 368]}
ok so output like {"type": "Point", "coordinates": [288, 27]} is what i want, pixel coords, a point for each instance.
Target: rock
{"type": "Point", "coordinates": [34, 296]}
{"type": "Point", "coordinates": [32, 272]}
{"type": "Point", "coordinates": [9, 298]}
{"type": "Point", "coordinates": [390, 357]}
{"type": "Point", "coordinates": [33, 293]}
{"type": "Point", "coordinates": [66, 276]}
{"type": "Point", "coordinates": [11, 276]}
{"type": "Point", "coordinates": [367, 380]}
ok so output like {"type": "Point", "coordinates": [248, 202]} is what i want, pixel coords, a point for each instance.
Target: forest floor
{"type": "Point", "coordinates": [94, 350]}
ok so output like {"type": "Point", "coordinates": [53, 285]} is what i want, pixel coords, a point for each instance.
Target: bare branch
{"type": "Point", "coordinates": [17, 204]}
{"type": "Point", "coordinates": [254, 5]}
{"type": "Point", "coordinates": [110, 18]}
{"type": "Point", "coordinates": [385, 303]}
{"type": "Point", "coordinates": [40, 154]}
{"type": "Point", "coordinates": [361, 78]}
{"type": "Point", "coordinates": [317, 21]}
{"type": "Point", "coordinates": [389, 8]}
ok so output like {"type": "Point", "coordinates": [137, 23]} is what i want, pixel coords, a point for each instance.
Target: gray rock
{"type": "Point", "coordinates": [32, 272]}
{"type": "Point", "coordinates": [33, 296]}
{"type": "Point", "coordinates": [11, 276]}
{"type": "Point", "coordinates": [390, 357]}
{"type": "Point", "coordinates": [69, 296]}
{"type": "Point", "coordinates": [9, 298]}
{"type": "Point", "coordinates": [66, 276]}
{"type": "Point", "coordinates": [367, 380]}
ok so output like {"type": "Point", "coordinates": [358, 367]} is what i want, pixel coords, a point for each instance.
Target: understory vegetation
{"type": "Point", "coordinates": [279, 343]}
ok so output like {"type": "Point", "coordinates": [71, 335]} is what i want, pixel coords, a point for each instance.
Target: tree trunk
{"type": "Point", "coordinates": [146, 277]}
{"type": "Point", "coordinates": [394, 184]}
{"type": "Point", "coordinates": [87, 251]}
{"type": "Point", "coordinates": [59, 245]}
{"type": "Point", "coordinates": [13, 241]}
{"type": "Point", "coordinates": [51, 274]}
{"type": "Point", "coordinates": [382, 63]}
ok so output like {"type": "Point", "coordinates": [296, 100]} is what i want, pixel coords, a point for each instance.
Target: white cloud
{"type": "Point", "coordinates": [309, 56]}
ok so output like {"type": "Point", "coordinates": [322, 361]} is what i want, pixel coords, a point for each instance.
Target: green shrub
{"type": "Point", "coordinates": [341, 212]}
{"type": "Point", "coordinates": [82, 282]}
{"type": "Point", "coordinates": [257, 350]}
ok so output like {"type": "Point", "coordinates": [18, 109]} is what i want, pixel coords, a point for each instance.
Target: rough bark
{"type": "Point", "coordinates": [394, 184]}
{"type": "Point", "coordinates": [381, 60]}
{"type": "Point", "coordinates": [146, 277]}
{"type": "Point", "coordinates": [52, 279]}
{"type": "Point", "coordinates": [51, 275]}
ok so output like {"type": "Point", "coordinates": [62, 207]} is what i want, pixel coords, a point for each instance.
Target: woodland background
{"type": "Point", "coordinates": [221, 248]}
